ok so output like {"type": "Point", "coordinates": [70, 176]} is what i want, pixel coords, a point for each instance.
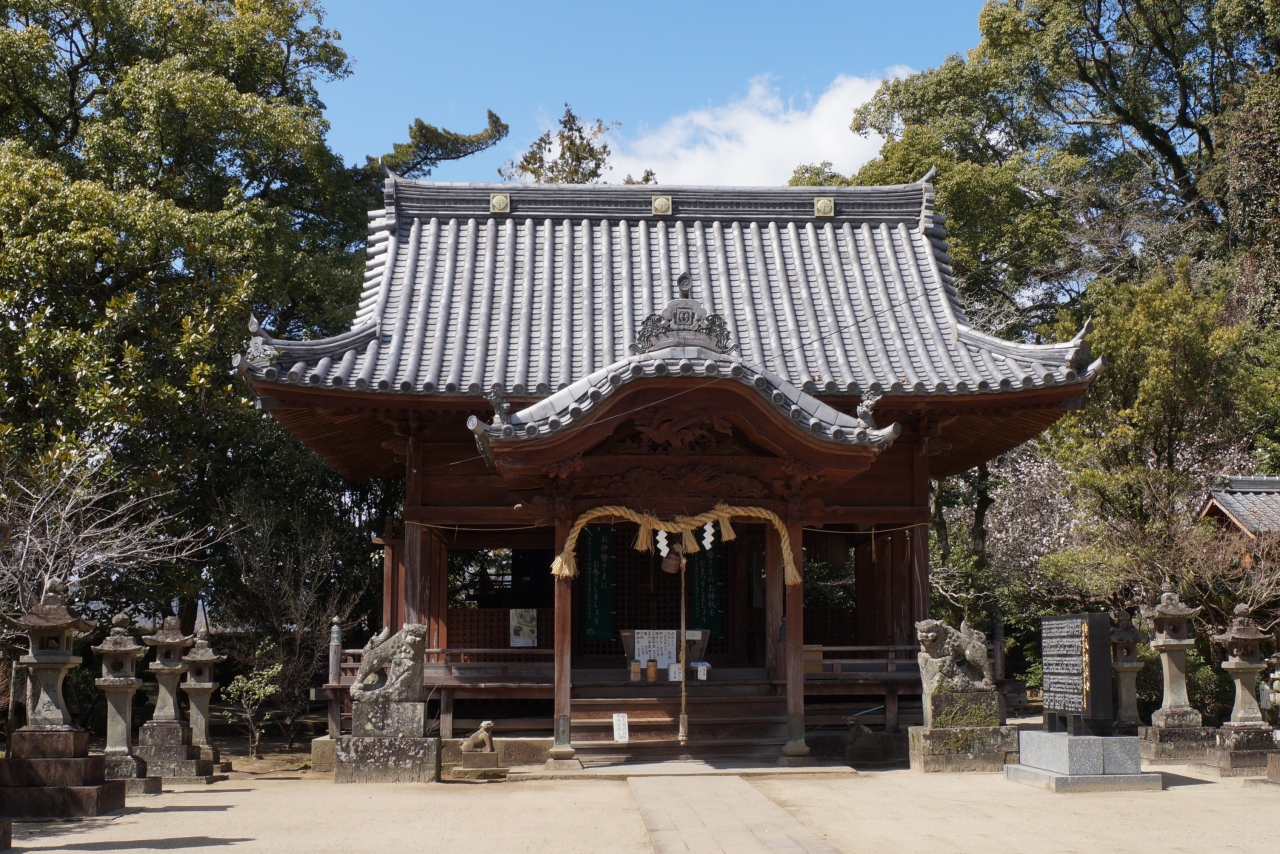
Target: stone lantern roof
{"type": "Point", "coordinates": [169, 635]}
{"type": "Point", "coordinates": [1170, 606]}
{"type": "Point", "coordinates": [1242, 629]}
{"type": "Point", "coordinates": [203, 653]}
{"type": "Point", "coordinates": [52, 615]}
{"type": "Point", "coordinates": [119, 641]}
{"type": "Point", "coordinates": [1125, 632]}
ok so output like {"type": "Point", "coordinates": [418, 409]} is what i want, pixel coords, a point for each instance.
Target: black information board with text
{"type": "Point", "coordinates": [1076, 657]}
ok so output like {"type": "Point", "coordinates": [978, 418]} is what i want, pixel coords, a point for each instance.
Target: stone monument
{"type": "Point", "coordinates": [199, 687]}
{"type": "Point", "coordinates": [1077, 751]}
{"type": "Point", "coordinates": [48, 772]}
{"type": "Point", "coordinates": [1244, 743]}
{"type": "Point", "coordinates": [963, 728]}
{"type": "Point", "coordinates": [1175, 734]}
{"type": "Point", "coordinates": [120, 655]}
{"type": "Point", "coordinates": [1124, 661]}
{"type": "Point", "coordinates": [479, 759]}
{"type": "Point", "coordinates": [164, 742]}
{"type": "Point", "coordinates": [388, 741]}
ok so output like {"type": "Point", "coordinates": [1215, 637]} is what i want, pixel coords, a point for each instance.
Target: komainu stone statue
{"type": "Point", "coordinates": [952, 662]}
{"type": "Point", "coordinates": [391, 670]}
{"type": "Point", "coordinates": [963, 722]}
{"type": "Point", "coordinates": [480, 741]}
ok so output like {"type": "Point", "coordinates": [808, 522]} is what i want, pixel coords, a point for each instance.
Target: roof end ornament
{"type": "Point", "coordinates": [684, 322]}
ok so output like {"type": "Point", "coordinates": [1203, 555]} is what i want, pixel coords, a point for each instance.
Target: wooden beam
{"type": "Point", "coordinates": [794, 651]}
{"type": "Point", "coordinates": [463, 516]}
{"type": "Point", "coordinates": [888, 515]}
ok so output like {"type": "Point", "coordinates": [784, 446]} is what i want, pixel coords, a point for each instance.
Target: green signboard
{"type": "Point", "coordinates": [597, 583]}
{"type": "Point", "coordinates": [706, 589]}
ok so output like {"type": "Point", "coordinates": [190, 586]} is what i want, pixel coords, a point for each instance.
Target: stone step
{"type": "Point", "coordinates": [48, 744]}
{"type": "Point", "coordinates": [193, 780]}
{"type": "Point", "coordinates": [84, 771]}
{"type": "Point", "coordinates": [612, 753]}
{"type": "Point", "coordinates": [61, 801]}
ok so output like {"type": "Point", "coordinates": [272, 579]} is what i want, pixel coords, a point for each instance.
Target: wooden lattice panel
{"type": "Point", "coordinates": [489, 628]}
{"type": "Point", "coordinates": [830, 626]}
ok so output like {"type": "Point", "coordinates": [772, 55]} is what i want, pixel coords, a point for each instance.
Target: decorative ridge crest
{"type": "Point", "coordinates": [684, 322]}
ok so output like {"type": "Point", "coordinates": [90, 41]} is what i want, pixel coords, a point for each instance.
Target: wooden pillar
{"type": "Point", "coordinates": [864, 585]}
{"type": "Point", "coordinates": [435, 582]}
{"type": "Point", "coordinates": [412, 597]}
{"type": "Point", "coordinates": [446, 713]}
{"type": "Point", "coordinates": [794, 651]}
{"type": "Point", "coordinates": [773, 605]}
{"type": "Point", "coordinates": [919, 573]}
{"type": "Point", "coordinates": [883, 550]}
{"type": "Point", "coordinates": [901, 605]}
{"type": "Point", "coordinates": [562, 749]}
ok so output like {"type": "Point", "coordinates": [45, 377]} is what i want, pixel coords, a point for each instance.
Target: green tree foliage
{"type": "Point", "coordinates": [575, 153]}
{"type": "Point", "coordinates": [163, 173]}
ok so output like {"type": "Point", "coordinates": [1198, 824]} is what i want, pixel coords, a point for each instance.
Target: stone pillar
{"type": "Point", "coordinates": [1175, 734]}
{"type": "Point", "coordinates": [1243, 745]}
{"type": "Point", "coordinates": [1125, 663]}
{"type": "Point", "coordinates": [50, 748]}
{"type": "Point", "coordinates": [199, 687]}
{"type": "Point", "coordinates": [120, 656]}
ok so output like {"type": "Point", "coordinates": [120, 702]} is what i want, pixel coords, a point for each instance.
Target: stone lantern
{"type": "Point", "coordinates": [120, 655]}
{"type": "Point", "coordinates": [1244, 742]}
{"type": "Point", "coordinates": [50, 750]}
{"type": "Point", "coordinates": [165, 740]}
{"type": "Point", "coordinates": [1176, 733]}
{"type": "Point", "coordinates": [1125, 663]}
{"type": "Point", "coordinates": [1172, 639]}
{"type": "Point", "coordinates": [51, 626]}
{"type": "Point", "coordinates": [199, 687]}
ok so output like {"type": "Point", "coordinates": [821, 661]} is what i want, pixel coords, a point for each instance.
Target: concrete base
{"type": "Point", "coordinates": [1063, 783]}
{"type": "Point", "coordinates": [1080, 755]}
{"type": "Point", "coordinates": [387, 760]}
{"type": "Point", "coordinates": [49, 774]}
{"type": "Point", "coordinates": [511, 751]}
{"type": "Point", "coordinates": [963, 749]}
{"type": "Point", "coordinates": [459, 773]}
{"type": "Point", "coordinates": [200, 780]}
{"type": "Point", "coordinates": [142, 786]}
{"type": "Point", "coordinates": [563, 765]}
{"type": "Point", "coordinates": [1175, 745]}
{"type": "Point", "coordinates": [323, 752]}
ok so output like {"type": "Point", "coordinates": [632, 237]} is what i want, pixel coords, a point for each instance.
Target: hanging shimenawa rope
{"type": "Point", "coordinates": [566, 566]}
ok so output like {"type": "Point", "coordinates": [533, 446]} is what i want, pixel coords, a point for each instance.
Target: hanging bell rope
{"type": "Point", "coordinates": [566, 566]}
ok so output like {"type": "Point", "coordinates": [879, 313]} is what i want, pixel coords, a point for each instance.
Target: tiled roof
{"type": "Point", "coordinates": [555, 288]}
{"type": "Point", "coordinates": [1253, 502]}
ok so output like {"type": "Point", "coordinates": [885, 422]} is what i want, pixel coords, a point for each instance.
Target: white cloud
{"type": "Point", "coordinates": [757, 140]}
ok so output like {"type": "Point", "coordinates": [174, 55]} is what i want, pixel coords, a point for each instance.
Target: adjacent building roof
{"type": "Point", "coordinates": [1251, 503]}
{"type": "Point", "coordinates": [526, 290]}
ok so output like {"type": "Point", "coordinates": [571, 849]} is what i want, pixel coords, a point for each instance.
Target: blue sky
{"type": "Point", "coordinates": [713, 93]}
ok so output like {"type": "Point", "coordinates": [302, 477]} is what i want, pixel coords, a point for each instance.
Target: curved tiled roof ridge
{"type": "Point", "coordinates": [526, 289]}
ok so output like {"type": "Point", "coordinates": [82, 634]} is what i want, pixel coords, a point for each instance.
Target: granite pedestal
{"type": "Point", "coordinates": [50, 774]}
{"type": "Point", "coordinates": [167, 749]}
{"type": "Point", "coordinates": [962, 732]}
{"type": "Point", "coordinates": [1272, 780]}
{"type": "Point", "coordinates": [1239, 751]}
{"type": "Point", "coordinates": [378, 759]}
{"type": "Point", "coordinates": [1081, 763]}
{"type": "Point", "coordinates": [1175, 745]}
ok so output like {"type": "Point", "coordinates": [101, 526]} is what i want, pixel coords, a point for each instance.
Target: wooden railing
{"type": "Point", "coordinates": [843, 663]}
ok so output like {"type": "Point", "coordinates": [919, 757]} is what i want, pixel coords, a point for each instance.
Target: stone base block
{"type": "Point", "coordinates": [41, 743]}
{"type": "Point", "coordinates": [169, 768]}
{"type": "Point", "coordinates": [82, 771]}
{"type": "Point", "coordinates": [323, 750]}
{"type": "Point", "coordinates": [511, 751]}
{"type": "Point", "coordinates": [163, 733]}
{"type": "Point", "coordinates": [975, 709]}
{"type": "Point", "coordinates": [563, 765]}
{"type": "Point", "coordinates": [386, 760]}
{"type": "Point", "coordinates": [142, 786]}
{"type": "Point", "coordinates": [1273, 767]}
{"type": "Point", "coordinates": [62, 801]}
{"type": "Point", "coordinates": [460, 773]}
{"type": "Point", "coordinates": [1080, 754]}
{"type": "Point", "coordinates": [201, 780]}
{"type": "Point", "coordinates": [480, 760]}
{"type": "Point", "coordinates": [959, 749]}
{"type": "Point", "coordinates": [1176, 719]}
{"type": "Point", "coordinates": [1064, 783]}
{"type": "Point", "coordinates": [1260, 783]}
{"type": "Point", "coordinates": [1239, 752]}
{"type": "Point", "coordinates": [785, 761]}
{"type": "Point", "coordinates": [1174, 745]}
{"type": "Point", "coordinates": [122, 766]}
{"type": "Point", "coordinates": [388, 720]}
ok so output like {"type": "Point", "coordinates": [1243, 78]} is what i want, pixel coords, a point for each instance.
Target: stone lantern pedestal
{"type": "Point", "coordinates": [1175, 734]}
{"type": "Point", "coordinates": [48, 772]}
{"type": "Point", "coordinates": [199, 687]}
{"type": "Point", "coordinates": [118, 683]}
{"type": "Point", "coordinates": [164, 742]}
{"type": "Point", "coordinates": [1245, 743]}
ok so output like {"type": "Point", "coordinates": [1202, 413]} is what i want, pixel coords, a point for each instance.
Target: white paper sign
{"type": "Point", "coordinates": [656, 645]}
{"type": "Point", "coordinates": [524, 627]}
{"type": "Point", "coordinates": [621, 732]}
{"type": "Point", "coordinates": [673, 673]}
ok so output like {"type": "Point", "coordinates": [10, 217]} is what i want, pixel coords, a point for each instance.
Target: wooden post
{"type": "Point", "coordinates": [773, 584]}
{"type": "Point", "coordinates": [562, 749]}
{"type": "Point", "coordinates": [919, 573]}
{"type": "Point", "coordinates": [794, 651]}
{"type": "Point", "coordinates": [902, 631]}
{"type": "Point", "coordinates": [446, 713]}
{"type": "Point", "coordinates": [412, 596]}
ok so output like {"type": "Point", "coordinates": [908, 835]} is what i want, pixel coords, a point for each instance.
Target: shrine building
{"type": "Point", "coordinates": [773, 375]}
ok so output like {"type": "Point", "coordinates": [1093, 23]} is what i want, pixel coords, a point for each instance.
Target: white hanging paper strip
{"type": "Point", "coordinates": [708, 535]}
{"type": "Point", "coordinates": [662, 543]}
